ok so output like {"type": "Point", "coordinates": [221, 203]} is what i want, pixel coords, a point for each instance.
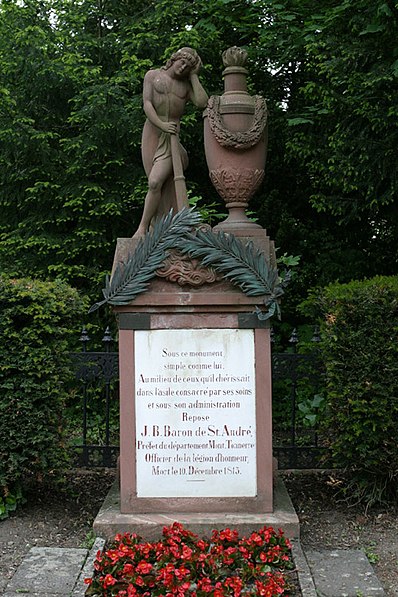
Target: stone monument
{"type": "Point", "coordinates": [193, 308]}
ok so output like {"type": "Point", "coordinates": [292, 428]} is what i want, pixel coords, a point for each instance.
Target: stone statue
{"type": "Point", "coordinates": [166, 92]}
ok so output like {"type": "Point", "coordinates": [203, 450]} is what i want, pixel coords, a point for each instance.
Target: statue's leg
{"type": "Point", "coordinates": [160, 171]}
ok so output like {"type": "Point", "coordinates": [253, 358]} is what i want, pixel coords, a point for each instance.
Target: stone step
{"type": "Point", "coordinates": [343, 573]}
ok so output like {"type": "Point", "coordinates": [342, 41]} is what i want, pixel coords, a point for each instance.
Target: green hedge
{"type": "Point", "coordinates": [360, 349]}
{"type": "Point", "coordinates": [37, 320]}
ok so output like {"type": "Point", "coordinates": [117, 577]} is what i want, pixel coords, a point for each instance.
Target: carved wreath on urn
{"type": "Point", "coordinates": [237, 139]}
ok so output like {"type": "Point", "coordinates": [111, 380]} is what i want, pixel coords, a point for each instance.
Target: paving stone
{"type": "Point", "coordinates": [47, 571]}
{"type": "Point", "coordinates": [88, 568]}
{"type": "Point", "coordinates": [343, 573]}
{"type": "Point", "coordinates": [29, 594]}
{"type": "Point", "coordinates": [303, 570]}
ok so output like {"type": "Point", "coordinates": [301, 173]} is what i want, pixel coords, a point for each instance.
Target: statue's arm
{"type": "Point", "coordinates": [197, 94]}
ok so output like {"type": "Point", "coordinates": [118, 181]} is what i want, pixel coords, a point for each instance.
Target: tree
{"type": "Point", "coordinates": [334, 201]}
{"type": "Point", "coordinates": [65, 173]}
{"type": "Point", "coordinates": [347, 133]}
{"type": "Point", "coordinates": [71, 178]}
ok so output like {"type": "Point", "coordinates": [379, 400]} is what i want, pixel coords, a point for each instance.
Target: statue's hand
{"type": "Point", "coordinates": [170, 127]}
{"type": "Point", "coordinates": [196, 68]}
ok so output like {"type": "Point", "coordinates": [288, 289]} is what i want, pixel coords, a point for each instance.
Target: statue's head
{"type": "Point", "coordinates": [189, 54]}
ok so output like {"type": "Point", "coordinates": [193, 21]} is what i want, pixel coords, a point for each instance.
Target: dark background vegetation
{"type": "Point", "coordinates": [72, 182]}
{"type": "Point", "coordinates": [71, 178]}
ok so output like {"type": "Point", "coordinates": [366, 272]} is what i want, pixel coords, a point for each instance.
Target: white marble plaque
{"type": "Point", "coordinates": [195, 413]}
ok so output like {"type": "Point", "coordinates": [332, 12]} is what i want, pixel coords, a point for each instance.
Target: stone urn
{"type": "Point", "coordinates": [235, 133]}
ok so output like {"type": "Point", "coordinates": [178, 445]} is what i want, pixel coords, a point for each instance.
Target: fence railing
{"type": "Point", "coordinates": [297, 386]}
{"type": "Point", "coordinates": [298, 382]}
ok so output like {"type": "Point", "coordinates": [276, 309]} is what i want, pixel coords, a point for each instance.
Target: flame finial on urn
{"type": "Point", "coordinates": [234, 57]}
{"type": "Point", "coordinates": [236, 141]}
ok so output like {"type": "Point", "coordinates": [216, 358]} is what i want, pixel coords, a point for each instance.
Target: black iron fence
{"type": "Point", "coordinates": [97, 379]}
{"type": "Point", "coordinates": [298, 402]}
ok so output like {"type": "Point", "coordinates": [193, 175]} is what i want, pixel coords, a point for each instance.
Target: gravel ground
{"type": "Point", "coordinates": [64, 519]}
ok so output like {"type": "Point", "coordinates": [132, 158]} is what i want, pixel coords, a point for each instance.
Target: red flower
{"type": "Point", "coordinates": [186, 552]}
{"type": "Point", "coordinates": [255, 538]}
{"type": "Point", "coordinates": [113, 555]}
{"type": "Point", "coordinates": [205, 585]}
{"type": "Point", "coordinates": [128, 569]}
{"type": "Point", "coordinates": [108, 581]}
{"type": "Point", "coordinates": [244, 551]}
{"type": "Point", "coordinates": [181, 572]}
{"type": "Point", "coordinates": [175, 551]}
{"type": "Point", "coordinates": [226, 535]}
{"type": "Point", "coordinates": [139, 581]}
{"type": "Point", "coordinates": [144, 567]}
{"type": "Point", "coordinates": [235, 583]}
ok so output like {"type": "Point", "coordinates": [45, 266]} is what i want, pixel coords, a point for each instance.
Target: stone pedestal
{"type": "Point", "coordinates": [195, 408]}
{"type": "Point", "coordinates": [195, 400]}
{"type": "Point", "coordinates": [110, 520]}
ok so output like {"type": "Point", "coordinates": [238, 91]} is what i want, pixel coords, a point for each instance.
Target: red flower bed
{"type": "Point", "coordinates": [181, 564]}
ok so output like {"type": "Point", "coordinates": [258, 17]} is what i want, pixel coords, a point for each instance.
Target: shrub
{"type": "Point", "coordinates": [360, 348]}
{"type": "Point", "coordinates": [36, 320]}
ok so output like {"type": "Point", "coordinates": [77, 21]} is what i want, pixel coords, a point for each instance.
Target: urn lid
{"type": "Point", "coordinates": [235, 97]}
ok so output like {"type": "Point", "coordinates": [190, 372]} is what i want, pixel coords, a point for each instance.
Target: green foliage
{"type": "Point", "coordinates": [71, 177]}
{"type": "Point", "coordinates": [36, 323]}
{"type": "Point", "coordinates": [311, 410]}
{"type": "Point", "coordinates": [347, 131]}
{"type": "Point", "coordinates": [9, 502]}
{"type": "Point", "coordinates": [360, 349]}
{"type": "Point", "coordinates": [209, 212]}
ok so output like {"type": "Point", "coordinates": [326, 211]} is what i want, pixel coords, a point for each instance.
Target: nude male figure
{"type": "Point", "coordinates": [166, 92]}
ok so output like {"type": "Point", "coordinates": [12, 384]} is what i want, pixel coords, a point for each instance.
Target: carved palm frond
{"type": "Point", "coordinates": [132, 277]}
{"type": "Point", "coordinates": [242, 264]}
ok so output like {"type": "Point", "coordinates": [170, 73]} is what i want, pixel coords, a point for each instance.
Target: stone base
{"type": "Point", "coordinates": [109, 521]}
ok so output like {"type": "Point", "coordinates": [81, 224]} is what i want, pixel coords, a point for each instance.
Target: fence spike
{"type": "Point", "coordinates": [107, 339]}
{"type": "Point", "coordinates": [107, 335]}
{"type": "Point", "coordinates": [316, 337]}
{"type": "Point", "coordinates": [84, 338]}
